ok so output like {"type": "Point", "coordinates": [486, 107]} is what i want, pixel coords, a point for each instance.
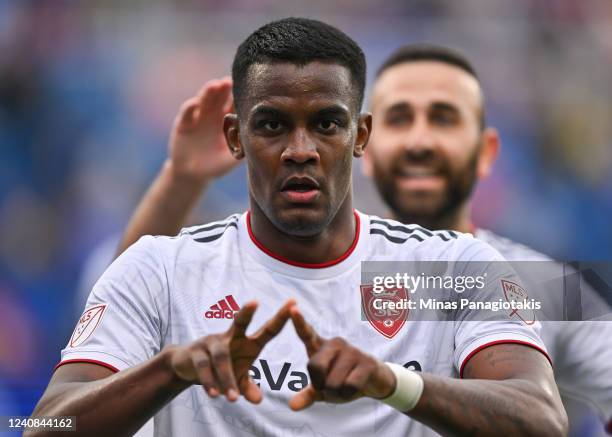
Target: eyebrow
{"type": "Point", "coordinates": [399, 106]}
{"type": "Point", "coordinates": [403, 106]}
{"type": "Point", "coordinates": [336, 110]}
{"type": "Point", "coordinates": [267, 110]}
{"type": "Point", "coordinates": [333, 110]}
{"type": "Point", "coordinates": [445, 106]}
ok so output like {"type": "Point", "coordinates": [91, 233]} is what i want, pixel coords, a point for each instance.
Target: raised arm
{"type": "Point", "coordinates": [508, 389]}
{"type": "Point", "coordinates": [197, 154]}
{"type": "Point", "coordinates": [118, 404]}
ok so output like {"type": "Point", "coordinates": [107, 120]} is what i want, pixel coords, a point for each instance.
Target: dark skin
{"type": "Point", "coordinates": [300, 122]}
{"type": "Point", "coordinates": [107, 403]}
{"type": "Point", "coordinates": [511, 388]}
{"type": "Point", "coordinates": [508, 389]}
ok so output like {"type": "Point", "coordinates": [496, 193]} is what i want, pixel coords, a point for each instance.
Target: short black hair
{"type": "Point", "coordinates": [428, 52]}
{"type": "Point", "coordinates": [299, 41]}
{"type": "Point", "coordinates": [432, 52]}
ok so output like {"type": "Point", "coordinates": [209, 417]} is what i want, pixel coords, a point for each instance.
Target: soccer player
{"type": "Point", "coordinates": [172, 314]}
{"type": "Point", "coordinates": [429, 145]}
{"type": "Point", "coordinates": [465, 153]}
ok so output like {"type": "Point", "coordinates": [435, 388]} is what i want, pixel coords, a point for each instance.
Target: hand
{"type": "Point", "coordinates": [338, 371]}
{"type": "Point", "coordinates": [220, 362]}
{"type": "Point", "coordinates": [197, 148]}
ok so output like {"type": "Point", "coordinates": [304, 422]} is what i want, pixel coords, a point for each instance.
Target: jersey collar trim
{"type": "Point", "coordinates": [300, 264]}
{"type": "Point", "coordinates": [350, 260]}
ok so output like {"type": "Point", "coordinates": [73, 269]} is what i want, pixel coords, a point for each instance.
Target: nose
{"type": "Point", "coordinates": [419, 140]}
{"type": "Point", "coordinates": [301, 148]}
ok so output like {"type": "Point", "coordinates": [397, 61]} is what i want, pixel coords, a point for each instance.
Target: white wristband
{"type": "Point", "coordinates": [408, 388]}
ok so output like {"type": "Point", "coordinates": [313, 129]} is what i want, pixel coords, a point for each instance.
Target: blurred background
{"type": "Point", "coordinates": [88, 91]}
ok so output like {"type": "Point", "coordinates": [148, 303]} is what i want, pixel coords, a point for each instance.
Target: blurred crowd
{"type": "Point", "coordinates": [88, 91]}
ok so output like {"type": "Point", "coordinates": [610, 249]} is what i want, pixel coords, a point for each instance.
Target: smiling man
{"type": "Point", "coordinates": [429, 146]}
{"type": "Point", "coordinates": [165, 334]}
{"type": "Point", "coordinates": [430, 141]}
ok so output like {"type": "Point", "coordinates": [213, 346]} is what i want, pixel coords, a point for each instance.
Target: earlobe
{"type": "Point", "coordinates": [231, 130]}
{"type": "Point", "coordinates": [488, 152]}
{"type": "Point", "coordinates": [364, 128]}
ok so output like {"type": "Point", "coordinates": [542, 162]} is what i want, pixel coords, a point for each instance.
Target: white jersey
{"type": "Point", "coordinates": [175, 290]}
{"type": "Point", "coordinates": [581, 351]}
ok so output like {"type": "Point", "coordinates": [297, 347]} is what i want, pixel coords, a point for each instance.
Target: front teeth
{"type": "Point", "coordinates": [418, 172]}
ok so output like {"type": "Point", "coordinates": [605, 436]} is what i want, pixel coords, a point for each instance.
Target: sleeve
{"type": "Point", "coordinates": [484, 317]}
{"type": "Point", "coordinates": [123, 321]}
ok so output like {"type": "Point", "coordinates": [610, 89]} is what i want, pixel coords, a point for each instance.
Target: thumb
{"type": "Point", "coordinates": [305, 398]}
{"type": "Point", "coordinates": [250, 391]}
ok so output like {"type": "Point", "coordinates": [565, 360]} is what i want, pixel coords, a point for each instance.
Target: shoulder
{"type": "Point", "coordinates": [511, 250]}
{"type": "Point", "coordinates": [426, 244]}
{"type": "Point", "coordinates": [400, 233]}
{"type": "Point", "coordinates": [210, 232]}
{"type": "Point", "coordinates": [191, 243]}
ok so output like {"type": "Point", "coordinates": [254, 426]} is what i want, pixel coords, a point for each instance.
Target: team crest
{"type": "Point", "coordinates": [386, 321]}
{"type": "Point", "coordinates": [514, 292]}
{"type": "Point", "coordinates": [87, 324]}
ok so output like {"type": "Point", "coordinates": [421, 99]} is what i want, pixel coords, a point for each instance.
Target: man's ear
{"type": "Point", "coordinates": [364, 127]}
{"type": "Point", "coordinates": [489, 151]}
{"type": "Point", "coordinates": [231, 130]}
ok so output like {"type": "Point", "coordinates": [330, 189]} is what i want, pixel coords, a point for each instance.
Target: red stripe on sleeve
{"type": "Point", "coordinates": [493, 343]}
{"type": "Point", "coordinates": [99, 363]}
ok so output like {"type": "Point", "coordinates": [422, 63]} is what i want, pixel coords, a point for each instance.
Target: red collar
{"type": "Point", "coordinates": [333, 262]}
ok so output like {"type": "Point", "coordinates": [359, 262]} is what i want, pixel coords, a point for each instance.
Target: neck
{"type": "Point", "coordinates": [457, 220]}
{"type": "Point", "coordinates": [329, 245]}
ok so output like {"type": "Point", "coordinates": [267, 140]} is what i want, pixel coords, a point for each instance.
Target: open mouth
{"type": "Point", "coordinates": [418, 172]}
{"type": "Point", "coordinates": [300, 190]}
{"type": "Point", "coordinates": [420, 178]}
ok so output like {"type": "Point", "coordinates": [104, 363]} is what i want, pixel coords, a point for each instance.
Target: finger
{"type": "Point", "coordinates": [213, 101]}
{"type": "Point", "coordinates": [225, 99]}
{"type": "Point", "coordinates": [356, 380]}
{"type": "Point", "coordinates": [187, 112]}
{"type": "Point", "coordinates": [306, 332]}
{"type": "Point", "coordinates": [228, 101]}
{"type": "Point", "coordinates": [226, 81]}
{"type": "Point", "coordinates": [204, 90]}
{"type": "Point", "coordinates": [274, 325]}
{"type": "Point", "coordinates": [230, 108]}
{"type": "Point", "coordinates": [201, 364]}
{"type": "Point", "coordinates": [339, 370]}
{"type": "Point", "coordinates": [250, 391]}
{"type": "Point", "coordinates": [243, 319]}
{"type": "Point", "coordinates": [320, 365]}
{"type": "Point", "coordinates": [222, 365]}
{"type": "Point", "coordinates": [305, 398]}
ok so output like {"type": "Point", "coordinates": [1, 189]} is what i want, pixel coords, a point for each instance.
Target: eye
{"type": "Point", "coordinates": [397, 119]}
{"type": "Point", "coordinates": [269, 126]}
{"type": "Point", "coordinates": [272, 125]}
{"type": "Point", "coordinates": [444, 118]}
{"type": "Point", "coordinates": [327, 125]}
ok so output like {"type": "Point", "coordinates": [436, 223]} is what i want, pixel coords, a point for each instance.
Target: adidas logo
{"type": "Point", "coordinates": [224, 309]}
